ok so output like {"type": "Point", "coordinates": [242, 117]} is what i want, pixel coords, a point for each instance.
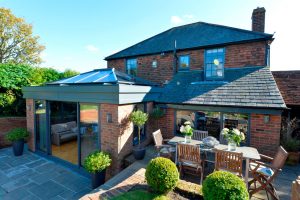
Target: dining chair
{"type": "Point", "coordinates": [265, 173]}
{"type": "Point", "coordinates": [229, 161]}
{"type": "Point", "coordinates": [199, 135]}
{"type": "Point", "coordinates": [189, 159]}
{"type": "Point", "coordinates": [161, 146]}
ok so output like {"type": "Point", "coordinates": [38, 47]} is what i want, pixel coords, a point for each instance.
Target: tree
{"type": "Point", "coordinates": [68, 73]}
{"type": "Point", "coordinates": [17, 44]}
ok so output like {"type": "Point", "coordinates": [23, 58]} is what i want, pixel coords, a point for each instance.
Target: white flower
{"type": "Point", "coordinates": [242, 136]}
{"type": "Point", "coordinates": [182, 129]}
{"type": "Point", "coordinates": [236, 131]}
{"type": "Point", "coordinates": [187, 123]}
{"type": "Point", "coordinates": [225, 131]}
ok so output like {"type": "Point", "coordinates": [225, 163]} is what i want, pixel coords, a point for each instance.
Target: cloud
{"type": "Point", "coordinates": [184, 19]}
{"type": "Point", "coordinates": [92, 48]}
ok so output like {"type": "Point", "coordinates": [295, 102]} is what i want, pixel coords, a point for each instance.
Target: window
{"type": "Point", "coordinates": [200, 120]}
{"type": "Point", "coordinates": [214, 64]}
{"type": "Point", "coordinates": [184, 62]}
{"type": "Point", "coordinates": [131, 67]}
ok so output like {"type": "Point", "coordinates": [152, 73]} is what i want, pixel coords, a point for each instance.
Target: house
{"type": "Point", "coordinates": [214, 76]}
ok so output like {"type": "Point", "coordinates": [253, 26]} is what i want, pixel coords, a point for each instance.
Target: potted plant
{"type": "Point", "coordinates": [156, 114]}
{"type": "Point", "coordinates": [292, 146]}
{"type": "Point", "coordinates": [139, 118]}
{"type": "Point", "coordinates": [17, 136]}
{"type": "Point", "coordinates": [96, 164]}
{"type": "Point", "coordinates": [234, 137]}
{"type": "Point", "coordinates": [187, 131]}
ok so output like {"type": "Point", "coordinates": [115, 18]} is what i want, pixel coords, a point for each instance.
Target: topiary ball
{"type": "Point", "coordinates": [224, 186]}
{"type": "Point", "coordinates": [162, 175]}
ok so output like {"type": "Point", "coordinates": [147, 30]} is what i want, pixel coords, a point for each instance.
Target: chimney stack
{"type": "Point", "coordinates": [258, 19]}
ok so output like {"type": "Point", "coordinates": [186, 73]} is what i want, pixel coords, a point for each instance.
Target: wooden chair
{"type": "Point", "coordinates": [160, 145]}
{"type": "Point", "coordinates": [229, 161]}
{"type": "Point", "coordinates": [265, 173]}
{"type": "Point", "coordinates": [199, 135]}
{"type": "Point", "coordinates": [189, 159]}
{"type": "Point", "coordinates": [296, 189]}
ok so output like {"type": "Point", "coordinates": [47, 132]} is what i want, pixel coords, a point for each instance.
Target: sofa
{"type": "Point", "coordinates": [63, 132]}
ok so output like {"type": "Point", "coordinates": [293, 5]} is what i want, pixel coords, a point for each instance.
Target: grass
{"type": "Point", "coordinates": [190, 188]}
{"type": "Point", "coordinates": [140, 194]}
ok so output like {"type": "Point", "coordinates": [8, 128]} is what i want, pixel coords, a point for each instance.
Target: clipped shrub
{"type": "Point", "coordinates": [17, 134]}
{"type": "Point", "coordinates": [162, 175]}
{"type": "Point", "coordinates": [224, 186]}
{"type": "Point", "coordinates": [97, 161]}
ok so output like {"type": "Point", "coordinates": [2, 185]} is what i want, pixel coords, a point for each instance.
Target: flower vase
{"type": "Point", "coordinates": [231, 146]}
{"type": "Point", "coordinates": [187, 139]}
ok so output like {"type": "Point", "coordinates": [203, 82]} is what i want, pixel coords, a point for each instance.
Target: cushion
{"type": "Point", "coordinates": [57, 128]}
{"type": "Point", "coordinates": [262, 169]}
{"type": "Point", "coordinates": [164, 150]}
{"type": "Point", "coordinates": [75, 130]}
{"type": "Point", "coordinates": [71, 125]}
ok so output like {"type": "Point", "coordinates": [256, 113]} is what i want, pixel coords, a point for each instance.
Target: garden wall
{"type": "Point", "coordinates": [7, 124]}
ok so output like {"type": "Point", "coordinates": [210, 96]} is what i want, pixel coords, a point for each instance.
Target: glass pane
{"type": "Point", "coordinates": [184, 61]}
{"type": "Point", "coordinates": [208, 73]}
{"type": "Point", "coordinates": [64, 132]}
{"type": "Point", "coordinates": [238, 121]}
{"type": "Point", "coordinates": [89, 129]}
{"type": "Point", "coordinates": [41, 125]}
{"type": "Point", "coordinates": [200, 120]}
{"type": "Point", "coordinates": [141, 107]}
{"type": "Point", "coordinates": [220, 73]}
{"type": "Point", "coordinates": [131, 66]}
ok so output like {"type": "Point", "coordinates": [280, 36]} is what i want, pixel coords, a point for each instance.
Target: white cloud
{"type": "Point", "coordinates": [92, 48]}
{"type": "Point", "coordinates": [179, 20]}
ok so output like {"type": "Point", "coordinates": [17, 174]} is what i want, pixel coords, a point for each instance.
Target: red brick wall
{"type": "Point", "coordinates": [265, 136]}
{"type": "Point", "coordinates": [166, 124]}
{"type": "Point", "coordinates": [30, 123]}
{"type": "Point", "coordinates": [239, 55]}
{"type": "Point", "coordinates": [7, 124]}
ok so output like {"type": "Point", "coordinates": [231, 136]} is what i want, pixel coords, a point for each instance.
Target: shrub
{"type": "Point", "coordinates": [97, 161]}
{"type": "Point", "coordinates": [224, 186]}
{"type": "Point", "coordinates": [162, 175]}
{"type": "Point", "coordinates": [291, 145]}
{"type": "Point", "coordinates": [17, 134]}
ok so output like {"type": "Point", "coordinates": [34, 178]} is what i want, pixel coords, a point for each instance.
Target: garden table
{"type": "Point", "coordinates": [248, 152]}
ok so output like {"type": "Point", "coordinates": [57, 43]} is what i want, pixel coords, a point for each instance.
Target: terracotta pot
{"type": "Point", "coordinates": [293, 158]}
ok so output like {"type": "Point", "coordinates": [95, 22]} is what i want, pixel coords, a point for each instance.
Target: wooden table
{"type": "Point", "coordinates": [248, 152]}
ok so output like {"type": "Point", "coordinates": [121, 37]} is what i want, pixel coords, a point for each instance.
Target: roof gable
{"type": "Point", "coordinates": [190, 36]}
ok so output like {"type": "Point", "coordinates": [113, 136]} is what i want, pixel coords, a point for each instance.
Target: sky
{"type": "Point", "coordinates": [79, 34]}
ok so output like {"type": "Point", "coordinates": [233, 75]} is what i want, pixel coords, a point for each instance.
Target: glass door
{"type": "Point", "coordinates": [89, 129]}
{"type": "Point", "coordinates": [41, 125]}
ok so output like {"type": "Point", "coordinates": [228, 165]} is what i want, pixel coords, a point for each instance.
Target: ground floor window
{"type": "Point", "coordinates": [213, 122]}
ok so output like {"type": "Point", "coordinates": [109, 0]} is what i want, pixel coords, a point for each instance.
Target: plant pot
{"type": "Point", "coordinates": [187, 139]}
{"type": "Point", "coordinates": [18, 147]}
{"type": "Point", "coordinates": [293, 158]}
{"type": "Point", "coordinates": [231, 146]}
{"type": "Point", "coordinates": [98, 179]}
{"type": "Point", "coordinates": [139, 153]}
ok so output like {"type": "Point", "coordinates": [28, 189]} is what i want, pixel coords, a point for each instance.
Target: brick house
{"type": "Point", "coordinates": [214, 76]}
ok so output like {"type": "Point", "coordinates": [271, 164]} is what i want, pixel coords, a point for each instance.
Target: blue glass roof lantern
{"type": "Point", "coordinates": [101, 76]}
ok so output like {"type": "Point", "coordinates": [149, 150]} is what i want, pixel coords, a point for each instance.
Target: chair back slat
{"type": "Point", "coordinates": [229, 161]}
{"type": "Point", "coordinates": [158, 139]}
{"type": "Point", "coordinates": [199, 135]}
{"type": "Point", "coordinates": [187, 152]}
{"type": "Point", "coordinates": [280, 158]}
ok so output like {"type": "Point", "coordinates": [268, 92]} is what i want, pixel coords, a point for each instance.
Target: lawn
{"type": "Point", "coordinates": [140, 194]}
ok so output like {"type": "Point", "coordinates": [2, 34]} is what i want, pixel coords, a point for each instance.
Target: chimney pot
{"type": "Point", "coordinates": [258, 19]}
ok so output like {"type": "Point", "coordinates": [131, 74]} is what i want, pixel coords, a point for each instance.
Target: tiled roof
{"type": "Point", "coordinates": [242, 87]}
{"type": "Point", "coordinates": [288, 83]}
{"type": "Point", "coordinates": [190, 36]}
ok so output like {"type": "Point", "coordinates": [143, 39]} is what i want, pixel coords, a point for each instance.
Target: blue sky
{"type": "Point", "coordinates": [78, 34]}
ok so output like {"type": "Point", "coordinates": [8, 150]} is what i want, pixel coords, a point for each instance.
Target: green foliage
{"type": "Point", "coordinates": [41, 75]}
{"type": "Point", "coordinates": [68, 73]}
{"type": "Point", "coordinates": [186, 129]}
{"type": "Point", "coordinates": [97, 161]}
{"type": "Point", "coordinates": [291, 145]}
{"type": "Point", "coordinates": [162, 175]}
{"type": "Point", "coordinates": [224, 186]}
{"type": "Point", "coordinates": [17, 134]}
{"type": "Point", "coordinates": [157, 113]}
{"type": "Point", "coordinates": [140, 194]}
{"type": "Point", "coordinates": [18, 45]}
{"type": "Point", "coordinates": [138, 118]}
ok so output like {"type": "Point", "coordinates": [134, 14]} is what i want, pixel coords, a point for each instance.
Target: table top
{"type": "Point", "coordinates": [248, 152]}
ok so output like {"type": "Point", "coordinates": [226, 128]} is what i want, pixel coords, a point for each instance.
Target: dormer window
{"type": "Point", "coordinates": [131, 67]}
{"type": "Point", "coordinates": [214, 64]}
{"type": "Point", "coordinates": [184, 62]}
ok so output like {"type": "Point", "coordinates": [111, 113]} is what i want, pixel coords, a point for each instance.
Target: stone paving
{"type": "Point", "coordinates": [33, 177]}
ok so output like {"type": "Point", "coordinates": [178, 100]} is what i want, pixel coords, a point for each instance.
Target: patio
{"type": "Point", "coordinates": [33, 177]}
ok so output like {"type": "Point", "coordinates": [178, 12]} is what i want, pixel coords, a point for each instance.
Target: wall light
{"type": "Point", "coordinates": [266, 119]}
{"type": "Point", "coordinates": [109, 118]}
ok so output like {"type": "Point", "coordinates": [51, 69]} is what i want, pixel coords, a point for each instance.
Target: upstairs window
{"type": "Point", "coordinates": [131, 67]}
{"type": "Point", "coordinates": [184, 62]}
{"type": "Point", "coordinates": [214, 64]}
